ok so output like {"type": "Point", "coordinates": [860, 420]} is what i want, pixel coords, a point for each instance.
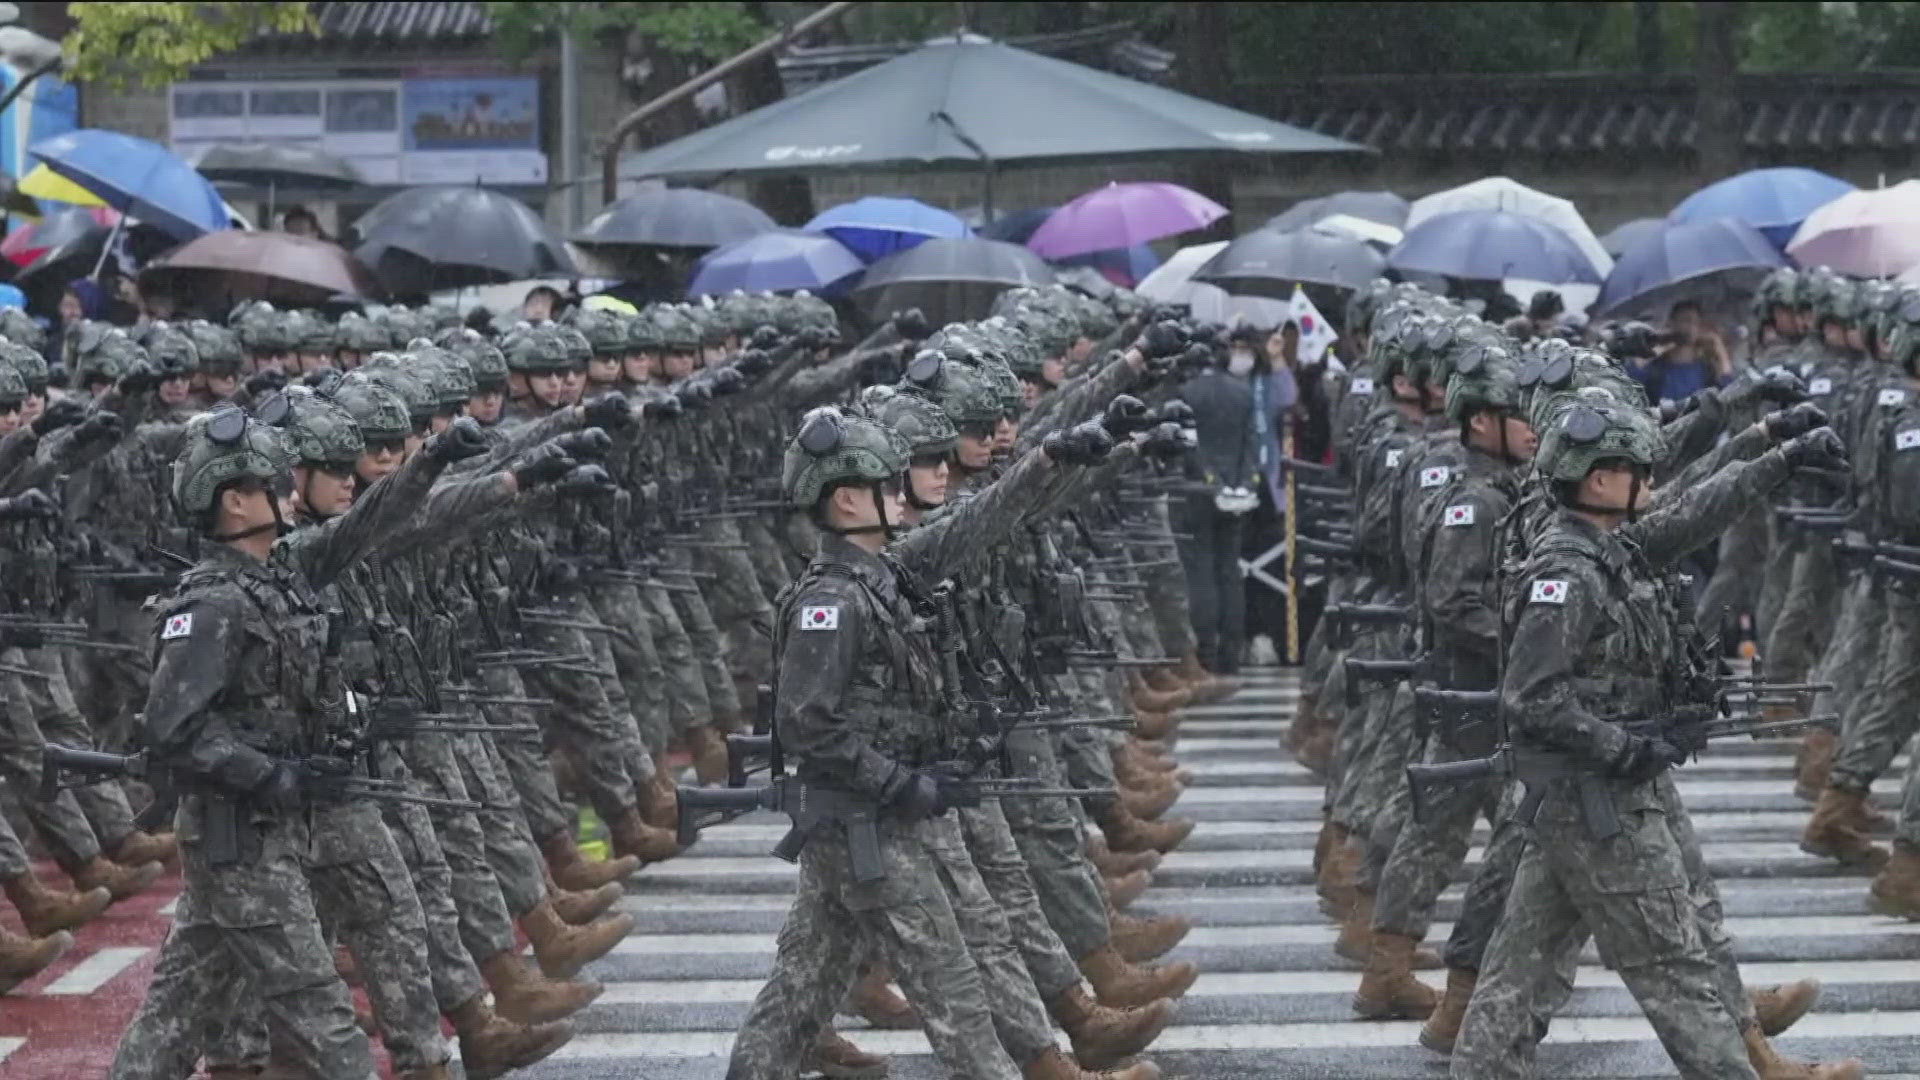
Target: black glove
{"type": "Point", "coordinates": [880, 367]}
{"type": "Point", "coordinates": [1643, 758]}
{"type": "Point", "coordinates": [262, 383]}
{"type": "Point", "coordinates": [589, 479]}
{"type": "Point", "coordinates": [461, 440]}
{"type": "Point", "coordinates": [1166, 441]}
{"type": "Point", "coordinates": [661, 408]}
{"type": "Point", "coordinates": [1776, 386]}
{"type": "Point", "coordinates": [140, 378]}
{"type": "Point", "coordinates": [917, 797]}
{"type": "Point", "coordinates": [1125, 415]}
{"type": "Point", "coordinates": [102, 426]}
{"type": "Point", "coordinates": [320, 376]}
{"type": "Point", "coordinates": [1817, 449]}
{"type": "Point", "coordinates": [1174, 411]}
{"type": "Point", "coordinates": [585, 443]}
{"type": "Point", "coordinates": [1688, 735]}
{"type": "Point", "coordinates": [31, 503]}
{"type": "Point", "coordinates": [1795, 421]}
{"type": "Point", "coordinates": [1083, 444]}
{"type": "Point", "coordinates": [1162, 339]}
{"type": "Point", "coordinates": [693, 395]}
{"type": "Point", "coordinates": [58, 414]}
{"type": "Point", "coordinates": [764, 338]}
{"type": "Point", "coordinates": [754, 363]}
{"type": "Point", "coordinates": [725, 381]}
{"type": "Point", "coordinates": [610, 411]}
{"type": "Point", "coordinates": [282, 789]}
{"type": "Point", "coordinates": [542, 465]}
{"type": "Point", "coordinates": [911, 324]}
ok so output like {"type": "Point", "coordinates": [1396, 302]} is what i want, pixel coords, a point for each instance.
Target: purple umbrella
{"type": "Point", "coordinates": [1122, 215]}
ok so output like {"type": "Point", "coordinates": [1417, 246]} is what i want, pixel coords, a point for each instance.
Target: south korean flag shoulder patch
{"type": "Point", "coordinates": [1891, 397]}
{"type": "Point", "coordinates": [1361, 385]}
{"type": "Point", "coordinates": [1434, 475]}
{"type": "Point", "coordinates": [820, 617]}
{"type": "Point", "coordinates": [177, 626]}
{"type": "Point", "coordinates": [1459, 514]}
{"type": "Point", "coordinates": [1548, 591]}
{"type": "Point", "coordinates": [1820, 387]}
{"type": "Point", "coordinates": [1906, 440]}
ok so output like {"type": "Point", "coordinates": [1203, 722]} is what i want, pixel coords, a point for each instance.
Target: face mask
{"type": "Point", "coordinates": [1240, 362]}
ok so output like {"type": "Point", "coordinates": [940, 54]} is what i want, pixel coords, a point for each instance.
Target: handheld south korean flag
{"type": "Point", "coordinates": [1547, 591]}
{"type": "Point", "coordinates": [825, 617]}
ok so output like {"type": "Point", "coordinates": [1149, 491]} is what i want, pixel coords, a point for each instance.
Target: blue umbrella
{"type": "Point", "coordinates": [1491, 245]}
{"type": "Point", "coordinates": [877, 226]}
{"type": "Point", "coordinates": [138, 178]}
{"type": "Point", "coordinates": [1694, 261]}
{"type": "Point", "coordinates": [1775, 201]}
{"type": "Point", "coordinates": [777, 261]}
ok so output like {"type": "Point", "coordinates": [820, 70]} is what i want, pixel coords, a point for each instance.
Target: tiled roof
{"type": "Point", "coordinates": [1585, 114]}
{"type": "Point", "coordinates": [406, 23]}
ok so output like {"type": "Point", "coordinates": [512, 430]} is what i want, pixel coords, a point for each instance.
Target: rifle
{"type": "Point", "coordinates": [1341, 618]}
{"type": "Point", "coordinates": [323, 777]}
{"type": "Point", "coordinates": [1359, 671]}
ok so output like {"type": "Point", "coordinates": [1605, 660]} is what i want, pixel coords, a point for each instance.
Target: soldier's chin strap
{"type": "Point", "coordinates": [879, 508]}
{"type": "Point", "coordinates": [913, 496]}
{"type": "Point", "coordinates": [278, 526]}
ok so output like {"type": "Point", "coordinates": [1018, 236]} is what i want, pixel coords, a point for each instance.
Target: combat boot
{"type": "Point", "coordinates": [1777, 1008]}
{"type": "Point", "coordinates": [632, 836]}
{"type": "Point", "coordinates": [1388, 990]}
{"type": "Point", "coordinates": [1054, 1064]}
{"type": "Point", "coordinates": [1150, 802]}
{"type": "Point", "coordinates": [491, 1045]}
{"type": "Point", "coordinates": [1140, 940]}
{"type": "Point", "coordinates": [1338, 880]}
{"type": "Point", "coordinates": [874, 1000]}
{"type": "Point", "coordinates": [523, 995]}
{"type": "Point", "coordinates": [1123, 891]}
{"type": "Point", "coordinates": [1151, 724]}
{"type": "Point", "coordinates": [1128, 833]}
{"type": "Point", "coordinates": [119, 881]}
{"type": "Point", "coordinates": [709, 749]}
{"type": "Point", "coordinates": [1896, 889]}
{"type": "Point", "coordinates": [22, 958]}
{"type": "Point", "coordinates": [1103, 1036]}
{"type": "Point", "coordinates": [1834, 833]}
{"type": "Point", "coordinates": [1208, 688]}
{"type": "Point", "coordinates": [581, 908]}
{"type": "Point", "coordinates": [1317, 755]}
{"type": "Point", "coordinates": [1771, 1066]}
{"type": "Point", "coordinates": [1115, 863]}
{"type": "Point", "coordinates": [833, 1056]}
{"type": "Point", "coordinates": [563, 950]}
{"type": "Point", "coordinates": [659, 803]}
{"type": "Point", "coordinates": [139, 847]}
{"type": "Point", "coordinates": [1306, 720]}
{"type": "Point", "coordinates": [1355, 942]}
{"type": "Point", "coordinates": [1441, 1030]}
{"type": "Point", "coordinates": [1147, 699]}
{"type": "Point", "coordinates": [1814, 761]}
{"type": "Point", "coordinates": [1143, 757]}
{"type": "Point", "coordinates": [574, 871]}
{"type": "Point", "coordinates": [45, 910]}
{"type": "Point", "coordinates": [1164, 678]}
{"type": "Point", "coordinates": [1125, 986]}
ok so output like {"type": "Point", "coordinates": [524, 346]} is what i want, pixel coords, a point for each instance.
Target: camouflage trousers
{"type": "Point", "coordinates": [1738, 574]}
{"type": "Point", "coordinates": [1167, 586]}
{"type": "Point", "coordinates": [1360, 722]}
{"type": "Point", "coordinates": [254, 925]}
{"type": "Point", "coordinates": [1773, 583]}
{"type": "Point", "coordinates": [636, 661]}
{"type": "Point", "coordinates": [996, 856]}
{"type": "Point", "coordinates": [511, 850]}
{"type": "Point", "coordinates": [708, 649]}
{"type": "Point", "coordinates": [1371, 776]}
{"type": "Point", "coordinates": [1654, 912]}
{"type": "Point", "coordinates": [482, 897]}
{"type": "Point", "coordinates": [34, 712]}
{"type": "Point", "coordinates": [456, 977]}
{"type": "Point", "coordinates": [1807, 611]}
{"type": "Point", "coordinates": [1854, 651]}
{"type": "Point", "coordinates": [525, 760]}
{"type": "Point", "coordinates": [1888, 709]}
{"type": "Point", "coordinates": [908, 918]}
{"type": "Point", "coordinates": [13, 856]}
{"type": "Point", "coordinates": [1052, 843]}
{"type": "Point", "coordinates": [589, 720]}
{"type": "Point", "coordinates": [365, 900]}
{"type": "Point", "coordinates": [686, 686]}
{"type": "Point", "coordinates": [111, 686]}
{"type": "Point", "coordinates": [1485, 899]}
{"type": "Point", "coordinates": [1427, 851]}
{"type": "Point", "coordinates": [764, 549]}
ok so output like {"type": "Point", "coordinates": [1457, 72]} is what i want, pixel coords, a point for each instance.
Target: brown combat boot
{"type": "Point", "coordinates": [120, 881]}
{"type": "Point", "coordinates": [1771, 1066]}
{"type": "Point", "coordinates": [563, 950]}
{"type": "Point", "coordinates": [1388, 990]}
{"type": "Point", "coordinates": [1317, 755]}
{"type": "Point", "coordinates": [491, 1045]}
{"type": "Point", "coordinates": [1355, 942]}
{"type": "Point", "coordinates": [659, 802]}
{"type": "Point", "coordinates": [45, 910]}
{"type": "Point", "coordinates": [1834, 832]}
{"type": "Point", "coordinates": [1115, 863]}
{"type": "Point", "coordinates": [523, 995]}
{"type": "Point", "coordinates": [1054, 1064]}
{"type": "Point", "coordinates": [1338, 882]}
{"type": "Point", "coordinates": [1208, 688]}
{"type": "Point", "coordinates": [1123, 891]}
{"type": "Point", "coordinates": [1148, 803]}
{"type": "Point", "coordinates": [1128, 833]}
{"type": "Point", "coordinates": [1145, 758]}
{"type": "Point", "coordinates": [1164, 678]}
{"type": "Point", "coordinates": [874, 1000]}
{"type": "Point", "coordinates": [1140, 940]}
{"type": "Point", "coordinates": [1123, 985]}
{"type": "Point", "coordinates": [1814, 760]}
{"type": "Point", "coordinates": [139, 847]}
{"type": "Point", "coordinates": [1777, 1008]}
{"type": "Point", "coordinates": [1896, 888]}
{"type": "Point", "coordinates": [1103, 1036]}
{"type": "Point", "coordinates": [22, 958]}
{"type": "Point", "coordinates": [1306, 720]}
{"type": "Point", "coordinates": [833, 1056]}
{"type": "Point", "coordinates": [708, 745]}
{"type": "Point", "coordinates": [581, 908]}
{"type": "Point", "coordinates": [1147, 699]}
{"type": "Point", "coordinates": [574, 871]}
{"type": "Point", "coordinates": [633, 836]}
{"type": "Point", "coordinates": [1151, 724]}
{"type": "Point", "coordinates": [1443, 1027]}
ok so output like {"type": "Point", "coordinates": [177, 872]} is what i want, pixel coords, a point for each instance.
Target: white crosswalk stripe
{"type": "Point", "coordinates": [1273, 999]}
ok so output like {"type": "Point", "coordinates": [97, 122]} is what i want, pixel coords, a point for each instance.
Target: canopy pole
{"type": "Point", "coordinates": [107, 246]}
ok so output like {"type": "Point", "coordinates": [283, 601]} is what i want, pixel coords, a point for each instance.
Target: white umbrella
{"type": "Point", "coordinates": [1869, 233]}
{"type": "Point", "coordinates": [1359, 228]}
{"type": "Point", "coordinates": [1172, 281]}
{"type": "Point", "coordinates": [1502, 193]}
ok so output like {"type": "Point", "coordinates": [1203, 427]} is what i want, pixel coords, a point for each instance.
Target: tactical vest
{"type": "Point", "coordinates": [287, 688]}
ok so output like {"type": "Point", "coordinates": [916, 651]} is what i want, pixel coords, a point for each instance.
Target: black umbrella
{"type": "Point", "coordinates": [949, 279]}
{"type": "Point", "coordinates": [1382, 206]}
{"type": "Point", "coordinates": [446, 237]}
{"type": "Point", "coordinates": [271, 165]}
{"type": "Point", "coordinates": [676, 217]}
{"type": "Point", "coordinates": [1268, 263]}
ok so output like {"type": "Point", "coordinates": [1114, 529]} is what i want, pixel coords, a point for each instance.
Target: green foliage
{"type": "Point", "coordinates": [700, 31]}
{"type": "Point", "coordinates": [158, 43]}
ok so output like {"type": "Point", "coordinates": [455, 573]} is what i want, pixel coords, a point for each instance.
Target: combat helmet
{"type": "Point", "coordinates": [605, 331]}
{"type": "Point", "coordinates": [358, 334]}
{"type": "Point", "coordinates": [312, 333]}
{"type": "Point", "coordinates": [18, 327]}
{"type": "Point", "coordinates": [263, 329]}
{"type": "Point", "coordinates": [13, 388]}
{"type": "Point", "coordinates": [446, 374]}
{"type": "Point", "coordinates": [393, 371]}
{"type": "Point", "coordinates": [218, 347]}
{"type": "Point", "coordinates": [219, 447]}
{"type": "Point", "coordinates": [381, 414]}
{"type": "Point", "coordinates": [834, 447]}
{"type": "Point", "coordinates": [1485, 376]}
{"type": "Point", "coordinates": [26, 360]}
{"type": "Point", "coordinates": [106, 358]}
{"type": "Point", "coordinates": [923, 424]}
{"type": "Point", "coordinates": [1780, 287]}
{"type": "Point", "coordinates": [964, 392]}
{"type": "Point", "coordinates": [320, 432]}
{"type": "Point", "coordinates": [171, 350]}
{"type": "Point", "coordinates": [483, 358]}
{"type": "Point", "coordinates": [535, 350]}
{"type": "Point", "coordinates": [1587, 432]}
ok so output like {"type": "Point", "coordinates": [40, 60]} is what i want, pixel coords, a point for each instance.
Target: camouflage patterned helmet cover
{"type": "Point", "coordinates": [605, 331]}
{"type": "Point", "coordinates": [28, 362]}
{"type": "Point", "coordinates": [1584, 432]}
{"type": "Point", "coordinates": [644, 334]}
{"type": "Point", "coordinates": [1485, 376]}
{"type": "Point", "coordinates": [380, 413]}
{"type": "Point", "coordinates": [207, 462]}
{"type": "Point", "coordinates": [263, 329]}
{"type": "Point", "coordinates": [404, 324]}
{"type": "Point", "coordinates": [438, 317]}
{"type": "Point", "coordinates": [923, 424]}
{"type": "Point", "coordinates": [535, 348]}
{"type": "Point", "coordinates": [312, 333]}
{"type": "Point", "coordinates": [357, 333]}
{"type": "Point", "coordinates": [393, 371]}
{"type": "Point", "coordinates": [483, 358]}
{"type": "Point", "coordinates": [320, 431]}
{"type": "Point", "coordinates": [18, 326]}
{"type": "Point", "coordinates": [836, 447]}
{"type": "Point", "coordinates": [171, 350]}
{"type": "Point", "coordinates": [13, 388]}
{"type": "Point", "coordinates": [446, 374]}
{"type": "Point", "coordinates": [106, 357]}
{"type": "Point", "coordinates": [1555, 370]}
{"type": "Point", "coordinates": [967, 394]}
{"type": "Point", "coordinates": [1782, 287]}
{"type": "Point", "coordinates": [218, 347]}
